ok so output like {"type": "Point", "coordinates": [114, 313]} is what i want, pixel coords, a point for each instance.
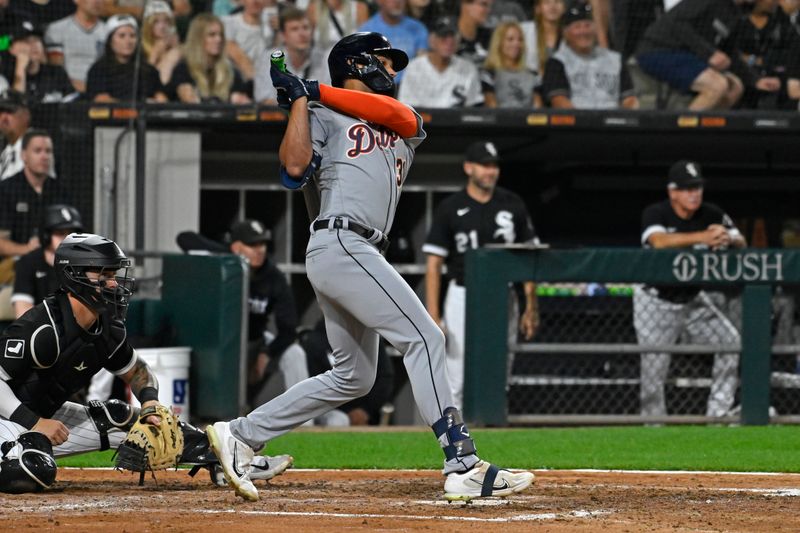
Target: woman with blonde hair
{"type": "Point", "coordinates": [543, 33]}
{"type": "Point", "coordinates": [160, 42]}
{"type": "Point", "coordinates": [205, 74]}
{"type": "Point", "coordinates": [505, 77]}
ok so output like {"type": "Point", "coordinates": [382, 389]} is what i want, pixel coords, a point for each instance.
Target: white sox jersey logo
{"type": "Point", "coordinates": [505, 226]}
{"type": "Point", "coordinates": [15, 348]}
{"type": "Point", "coordinates": [365, 139]}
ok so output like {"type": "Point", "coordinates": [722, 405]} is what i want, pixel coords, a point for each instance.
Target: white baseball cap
{"type": "Point", "coordinates": [154, 7]}
{"type": "Point", "coordinates": [115, 22]}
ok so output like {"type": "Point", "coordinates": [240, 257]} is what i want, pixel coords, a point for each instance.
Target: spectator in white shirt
{"type": "Point", "coordinates": [302, 56]}
{"type": "Point", "coordinates": [439, 78]}
{"type": "Point", "coordinates": [77, 41]}
{"type": "Point", "coordinates": [250, 32]}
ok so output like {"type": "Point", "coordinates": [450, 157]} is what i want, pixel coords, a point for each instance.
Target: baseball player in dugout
{"type": "Point", "coordinates": [54, 349]}
{"type": "Point", "coordinates": [349, 147]}
{"type": "Point", "coordinates": [270, 295]}
{"type": "Point", "coordinates": [481, 213]}
{"type": "Point", "coordinates": [662, 314]}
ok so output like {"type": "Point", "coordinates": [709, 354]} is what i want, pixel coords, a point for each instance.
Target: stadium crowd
{"type": "Point", "coordinates": [589, 54]}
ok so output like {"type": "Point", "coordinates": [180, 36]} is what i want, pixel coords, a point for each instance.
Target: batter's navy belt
{"type": "Point", "coordinates": [374, 236]}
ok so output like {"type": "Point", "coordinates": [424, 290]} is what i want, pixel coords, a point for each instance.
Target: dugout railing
{"type": "Point", "coordinates": [569, 362]}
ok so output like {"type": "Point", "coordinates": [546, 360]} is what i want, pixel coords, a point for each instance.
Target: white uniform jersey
{"type": "Point", "coordinates": [459, 85]}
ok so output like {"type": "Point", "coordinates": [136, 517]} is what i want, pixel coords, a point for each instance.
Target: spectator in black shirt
{"type": "Point", "coordinates": [111, 78]}
{"type": "Point", "coordinates": [205, 75]}
{"type": "Point", "coordinates": [270, 295]}
{"type": "Point", "coordinates": [35, 277]}
{"type": "Point", "coordinates": [474, 36]}
{"type": "Point", "coordinates": [15, 119]}
{"type": "Point", "coordinates": [690, 47]}
{"type": "Point", "coordinates": [770, 46]}
{"type": "Point", "coordinates": [29, 72]}
{"type": "Point", "coordinates": [24, 196]}
{"type": "Point", "coordinates": [792, 10]}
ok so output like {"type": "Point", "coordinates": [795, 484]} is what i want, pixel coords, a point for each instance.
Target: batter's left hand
{"type": "Point", "coordinates": [292, 86]}
{"type": "Point", "coordinates": [529, 323]}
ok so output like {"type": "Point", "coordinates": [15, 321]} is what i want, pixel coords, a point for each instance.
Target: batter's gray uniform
{"type": "Point", "coordinates": [360, 179]}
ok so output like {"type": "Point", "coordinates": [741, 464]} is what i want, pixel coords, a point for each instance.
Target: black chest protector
{"type": "Point", "coordinates": [82, 355]}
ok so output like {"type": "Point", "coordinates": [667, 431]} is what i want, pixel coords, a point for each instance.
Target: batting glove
{"type": "Point", "coordinates": [292, 85]}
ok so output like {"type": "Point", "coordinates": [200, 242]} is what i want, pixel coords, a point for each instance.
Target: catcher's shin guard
{"type": "Point", "coordinates": [111, 414]}
{"type": "Point", "coordinates": [458, 442]}
{"type": "Point", "coordinates": [33, 469]}
{"type": "Point", "coordinates": [196, 450]}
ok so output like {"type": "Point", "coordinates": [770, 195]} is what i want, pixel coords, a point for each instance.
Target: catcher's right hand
{"type": "Point", "coordinates": [155, 442]}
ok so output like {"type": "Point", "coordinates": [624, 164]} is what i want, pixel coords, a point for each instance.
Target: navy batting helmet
{"type": "Point", "coordinates": [354, 57]}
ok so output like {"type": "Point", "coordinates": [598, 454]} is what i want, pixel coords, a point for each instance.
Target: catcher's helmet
{"type": "Point", "coordinates": [59, 217]}
{"type": "Point", "coordinates": [80, 253]}
{"type": "Point", "coordinates": [353, 57]}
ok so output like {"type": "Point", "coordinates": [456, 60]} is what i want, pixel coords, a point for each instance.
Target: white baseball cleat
{"type": "Point", "coordinates": [266, 467]}
{"type": "Point", "coordinates": [235, 457]}
{"type": "Point", "coordinates": [485, 480]}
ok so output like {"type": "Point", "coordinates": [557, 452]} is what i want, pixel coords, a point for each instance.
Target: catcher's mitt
{"type": "Point", "coordinates": [151, 447]}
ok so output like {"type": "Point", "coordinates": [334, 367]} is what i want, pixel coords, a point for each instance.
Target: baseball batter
{"type": "Point", "coordinates": [479, 214]}
{"type": "Point", "coordinates": [351, 152]}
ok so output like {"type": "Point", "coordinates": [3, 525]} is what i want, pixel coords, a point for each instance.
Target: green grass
{"type": "Point", "coordinates": [765, 449]}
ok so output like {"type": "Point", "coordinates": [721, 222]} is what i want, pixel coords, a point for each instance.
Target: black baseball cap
{"type": "Point", "coordinates": [250, 232]}
{"type": "Point", "coordinates": [685, 174]}
{"type": "Point", "coordinates": [575, 12]}
{"type": "Point", "coordinates": [482, 152]}
{"type": "Point", "coordinates": [25, 28]}
{"type": "Point", "coordinates": [11, 100]}
{"type": "Point", "coordinates": [444, 26]}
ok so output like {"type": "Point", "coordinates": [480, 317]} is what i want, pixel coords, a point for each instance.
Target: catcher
{"type": "Point", "coordinates": [54, 349]}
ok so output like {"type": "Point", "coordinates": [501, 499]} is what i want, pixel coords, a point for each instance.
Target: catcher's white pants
{"type": "Point", "coordinates": [83, 434]}
{"type": "Point", "coordinates": [660, 321]}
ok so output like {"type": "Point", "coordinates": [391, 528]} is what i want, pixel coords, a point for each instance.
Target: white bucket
{"type": "Point", "coordinates": [171, 367]}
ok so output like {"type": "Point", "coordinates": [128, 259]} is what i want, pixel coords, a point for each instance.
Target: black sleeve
{"type": "Point", "coordinates": [6, 209]}
{"type": "Point", "coordinates": [239, 85]}
{"type": "Point", "coordinates": [626, 87]}
{"type": "Point", "coordinates": [25, 276]}
{"type": "Point", "coordinates": [487, 80]}
{"type": "Point", "coordinates": [523, 222]}
{"type": "Point", "coordinates": [285, 315]}
{"type": "Point", "coordinates": [554, 82]}
{"type": "Point", "coordinates": [440, 236]}
{"type": "Point", "coordinates": [180, 75]}
{"type": "Point", "coordinates": [97, 81]}
{"type": "Point", "coordinates": [151, 80]}
{"type": "Point", "coordinates": [652, 219]}
{"type": "Point", "coordinates": [61, 80]}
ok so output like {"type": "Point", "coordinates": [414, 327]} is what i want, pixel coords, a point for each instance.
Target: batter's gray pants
{"type": "Point", "coordinates": [362, 297]}
{"type": "Point", "coordinates": [660, 321]}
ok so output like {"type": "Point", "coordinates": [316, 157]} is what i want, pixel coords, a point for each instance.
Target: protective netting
{"type": "Point", "coordinates": [619, 350]}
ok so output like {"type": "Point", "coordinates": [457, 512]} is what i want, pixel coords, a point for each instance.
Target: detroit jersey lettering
{"type": "Point", "coordinates": [353, 180]}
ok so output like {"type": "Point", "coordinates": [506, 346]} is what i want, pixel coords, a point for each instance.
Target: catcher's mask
{"type": "Point", "coordinates": [95, 270]}
{"type": "Point", "coordinates": [354, 57]}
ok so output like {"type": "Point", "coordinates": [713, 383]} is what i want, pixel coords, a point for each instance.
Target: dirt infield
{"type": "Point", "coordinates": [305, 501]}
